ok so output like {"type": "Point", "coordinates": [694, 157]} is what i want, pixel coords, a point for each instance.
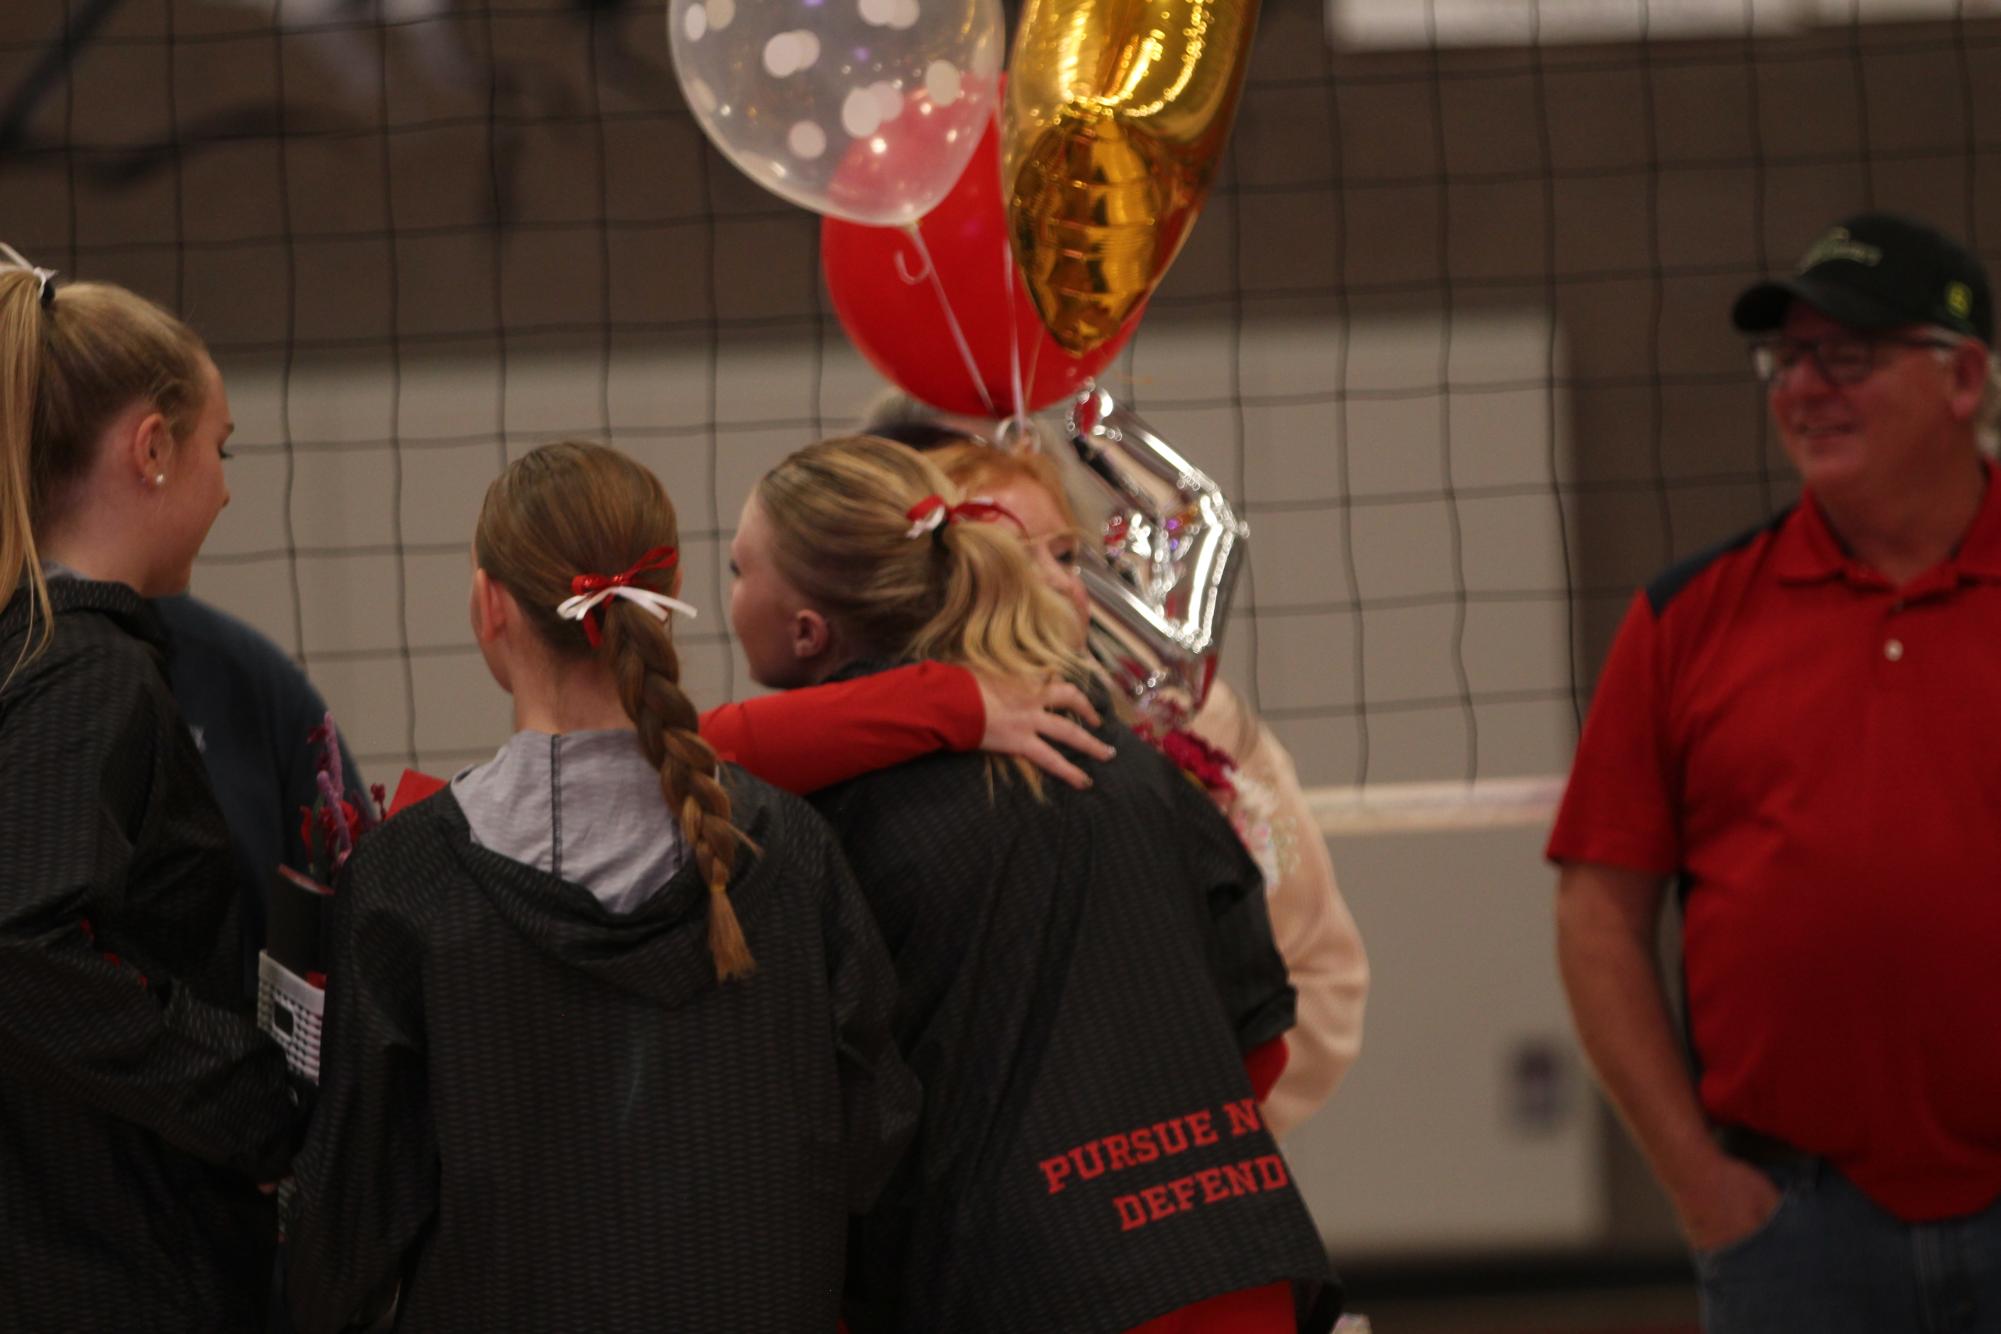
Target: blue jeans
{"type": "Point", "coordinates": [1831, 1261]}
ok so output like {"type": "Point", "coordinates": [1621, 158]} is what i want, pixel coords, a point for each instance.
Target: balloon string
{"type": "Point", "coordinates": [1034, 359]}
{"type": "Point", "coordinates": [1020, 405]}
{"type": "Point", "coordinates": [1013, 338]}
{"type": "Point", "coordinates": [951, 320]}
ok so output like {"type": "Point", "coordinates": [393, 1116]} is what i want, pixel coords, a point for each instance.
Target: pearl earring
{"type": "Point", "coordinates": [159, 479]}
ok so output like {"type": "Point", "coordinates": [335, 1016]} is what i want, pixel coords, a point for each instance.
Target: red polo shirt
{"type": "Point", "coordinates": [1818, 754]}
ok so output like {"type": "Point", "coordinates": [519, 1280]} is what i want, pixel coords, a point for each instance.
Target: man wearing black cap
{"type": "Point", "coordinates": [1802, 730]}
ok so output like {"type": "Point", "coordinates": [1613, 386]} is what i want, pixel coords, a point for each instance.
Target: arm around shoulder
{"type": "Point", "coordinates": [812, 738]}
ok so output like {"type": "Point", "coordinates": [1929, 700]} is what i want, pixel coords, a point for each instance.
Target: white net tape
{"type": "Point", "coordinates": [1487, 803]}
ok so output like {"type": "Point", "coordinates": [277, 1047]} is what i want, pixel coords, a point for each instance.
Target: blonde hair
{"type": "Point", "coordinates": [977, 467]}
{"type": "Point", "coordinates": [963, 593]}
{"type": "Point", "coordinates": [67, 367]}
{"type": "Point", "coordinates": [575, 508]}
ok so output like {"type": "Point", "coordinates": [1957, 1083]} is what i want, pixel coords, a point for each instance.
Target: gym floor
{"type": "Point", "coordinates": [1652, 1310]}
{"type": "Point", "coordinates": [1650, 1293]}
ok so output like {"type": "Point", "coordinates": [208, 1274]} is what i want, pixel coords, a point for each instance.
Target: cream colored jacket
{"type": "Point", "coordinates": [1316, 933]}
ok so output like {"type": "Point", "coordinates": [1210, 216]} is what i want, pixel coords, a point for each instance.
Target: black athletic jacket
{"type": "Point", "coordinates": [139, 1104]}
{"type": "Point", "coordinates": [1081, 976]}
{"type": "Point", "coordinates": [540, 1115]}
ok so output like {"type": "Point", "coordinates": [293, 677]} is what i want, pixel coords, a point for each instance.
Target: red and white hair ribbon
{"type": "Point", "coordinates": [927, 514]}
{"type": "Point", "coordinates": [593, 590]}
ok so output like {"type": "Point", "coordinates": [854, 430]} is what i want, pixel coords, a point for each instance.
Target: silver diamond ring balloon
{"type": "Point", "coordinates": [1160, 581]}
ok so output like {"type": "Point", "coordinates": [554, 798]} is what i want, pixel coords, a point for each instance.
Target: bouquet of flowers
{"type": "Point", "coordinates": [291, 975]}
{"type": "Point", "coordinates": [1250, 804]}
{"type": "Point", "coordinates": [332, 824]}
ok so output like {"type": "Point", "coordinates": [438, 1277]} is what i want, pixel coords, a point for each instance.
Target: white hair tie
{"type": "Point", "coordinates": [931, 513]}
{"type": "Point", "coordinates": [592, 589]}
{"type": "Point", "coordinates": [14, 260]}
{"type": "Point", "coordinates": [583, 604]}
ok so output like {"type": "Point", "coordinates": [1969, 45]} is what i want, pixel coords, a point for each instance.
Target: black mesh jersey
{"type": "Point", "coordinates": [539, 1115]}
{"type": "Point", "coordinates": [1081, 976]}
{"type": "Point", "coordinates": [139, 1104]}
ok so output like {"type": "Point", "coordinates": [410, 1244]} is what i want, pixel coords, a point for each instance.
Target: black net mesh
{"type": "Point", "coordinates": [1452, 330]}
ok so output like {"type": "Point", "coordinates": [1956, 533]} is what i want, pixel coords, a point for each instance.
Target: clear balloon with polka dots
{"type": "Point", "coordinates": [867, 110]}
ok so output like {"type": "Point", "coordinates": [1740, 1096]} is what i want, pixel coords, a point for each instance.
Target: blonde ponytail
{"type": "Point", "coordinates": [574, 508]}
{"type": "Point", "coordinates": [74, 360]}
{"type": "Point", "coordinates": [20, 375]}
{"type": "Point", "coordinates": [963, 593]}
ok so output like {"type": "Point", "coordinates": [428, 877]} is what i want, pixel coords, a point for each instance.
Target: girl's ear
{"type": "Point", "coordinates": [818, 645]}
{"type": "Point", "coordinates": [143, 446]}
{"type": "Point", "coordinates": [493, 607]}
{"type": "Point", "coordinates": [812, 637]}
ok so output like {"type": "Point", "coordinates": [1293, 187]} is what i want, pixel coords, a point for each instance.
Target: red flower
{"type": "Point", "coordinates": [1206, 764]}
{"type": "Point", "coordinates": [323, 816]}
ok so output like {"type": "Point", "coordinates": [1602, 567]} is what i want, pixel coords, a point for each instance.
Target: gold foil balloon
{"type": "Point", "coordinates": [1117, 112]}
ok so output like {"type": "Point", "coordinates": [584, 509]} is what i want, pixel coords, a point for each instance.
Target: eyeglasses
{"type": "Point", "coordinates": [1842, 361]}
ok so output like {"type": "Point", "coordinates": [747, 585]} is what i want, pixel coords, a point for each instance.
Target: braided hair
{"type": "Point", "coordinates": [572, 508]}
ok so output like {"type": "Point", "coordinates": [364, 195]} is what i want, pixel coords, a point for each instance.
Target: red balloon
{"type": "Point", "coordinates": [893, 312]}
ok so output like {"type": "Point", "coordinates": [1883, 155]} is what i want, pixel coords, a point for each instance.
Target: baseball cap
{"type": "Point", "coordinates": [1878, 271]}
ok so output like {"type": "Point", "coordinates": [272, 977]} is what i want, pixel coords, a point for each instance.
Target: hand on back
{"type": "Point", "coordinates": [1029, 723]}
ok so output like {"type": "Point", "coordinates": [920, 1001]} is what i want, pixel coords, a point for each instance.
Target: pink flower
{"type": "Point", "coordinates": [322, 818]}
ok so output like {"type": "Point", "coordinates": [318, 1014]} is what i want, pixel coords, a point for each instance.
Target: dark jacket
{"type": "Point", "coordinates": [139, 1105]}
{"type": "Point", "coordinates": [1081, 976]}
{"type": "Point", "coordinates": [540, 1115]}
{"type": "Point", "coordinates": [250, 709]}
